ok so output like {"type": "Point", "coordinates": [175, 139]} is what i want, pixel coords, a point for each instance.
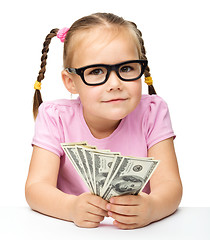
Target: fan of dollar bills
{"type": "Point", "coordinates": [107, 173]}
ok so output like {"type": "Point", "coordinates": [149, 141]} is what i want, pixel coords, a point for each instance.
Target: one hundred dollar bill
{"type": "Point", "coordinates": [102, 166]}
{"type": "Point", "coordinates": [130, 176]}
{"type": "Point", "coordinates": [74, 157]}
{"type": "Point", "coordinates": [82, 144]}
{"type": "Point", "coordinates": [86, 166]}
{"type": "Point", "coordinates": [89, 155]}
{"type": "Point", "coordinates": [73, 144]}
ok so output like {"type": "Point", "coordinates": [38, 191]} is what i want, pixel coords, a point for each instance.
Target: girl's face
{"type": "Point", "coordinates": [114, 99]}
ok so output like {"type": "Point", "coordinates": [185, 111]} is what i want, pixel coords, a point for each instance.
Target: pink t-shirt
{"type": "Point", "coordinates": [62, 121]}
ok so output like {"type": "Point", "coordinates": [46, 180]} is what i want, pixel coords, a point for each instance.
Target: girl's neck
{"type": "Point", "coordinates": [102, 129]}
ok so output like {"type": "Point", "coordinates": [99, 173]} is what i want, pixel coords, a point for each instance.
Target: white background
{"type": "Point", "coordinates": [177, 39]}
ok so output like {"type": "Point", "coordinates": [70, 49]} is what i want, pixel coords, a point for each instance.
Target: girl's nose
{"type": "Point", "coordinates": [113, 82]}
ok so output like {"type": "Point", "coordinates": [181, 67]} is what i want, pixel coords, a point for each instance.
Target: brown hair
{"type": "Point", "coordinates": [85, 23]}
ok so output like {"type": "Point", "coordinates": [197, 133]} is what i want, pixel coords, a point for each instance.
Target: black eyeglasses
{"type": "Point", "coordinates": [98, 74]}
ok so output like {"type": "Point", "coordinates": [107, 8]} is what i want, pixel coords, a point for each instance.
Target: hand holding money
{"type": "Point", "coordinates": [109, 174]}
{"type": "Point", "coordinates": [89, 210]}
{"type": "Point", "coordinates": [131, 211]}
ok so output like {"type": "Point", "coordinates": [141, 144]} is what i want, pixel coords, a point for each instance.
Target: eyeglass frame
{"type": "Point", "coordinates": [109, 68]}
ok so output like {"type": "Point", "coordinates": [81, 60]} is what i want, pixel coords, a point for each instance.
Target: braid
{"type": "Point", "coordinates": [37, 95]}
{"type": "Point", "coordinates": [151, 89]}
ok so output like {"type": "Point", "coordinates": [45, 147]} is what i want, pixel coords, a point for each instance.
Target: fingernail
{"type": "Point", "coordinates": [110, 214]}
{"type": "Point", "coordinates": [108, 207]}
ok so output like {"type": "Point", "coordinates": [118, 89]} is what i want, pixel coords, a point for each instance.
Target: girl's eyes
{"type": "Point", "coordinates": [97, 71]}
{"type": "Point", "coordinates": [101, 70]}
{"type": "Point", "coordinates": [126, 69]}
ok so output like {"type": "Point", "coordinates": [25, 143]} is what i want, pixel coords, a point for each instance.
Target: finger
{"type": "Point", "coordinates": [97, 201]}
{"type": "Point", "coordinates": [122, 218]}
{"type": "Point", "coordinates": [93, 218]}
{"type": "Point", "coordinates": [124, 226]}
{"type": "Point", "coordinates": [96, 210]}
{"type": "Point", "coordinates": [126, 200]}
{"type": "Point", "coordinates": [88, 224]}
{"type": "Point", "coordinates": [122, 209]}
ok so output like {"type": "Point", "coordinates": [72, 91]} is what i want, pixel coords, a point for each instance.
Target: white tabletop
{"type": "Point", "coordinates": [22, 222]}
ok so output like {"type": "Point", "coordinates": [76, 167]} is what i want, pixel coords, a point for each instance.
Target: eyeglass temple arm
{"type": "Point", "coordinates": [71, 70]}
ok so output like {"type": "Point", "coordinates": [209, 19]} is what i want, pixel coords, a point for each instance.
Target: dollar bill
{"type": "Point", "coordinates": [114, 169]}
{"type": "Point", "coordinates": [89, 155]}
{"type": "Point", "coordinates": [102, 166]}
{"type": "Point", "coordinates": [82, 144]}
{"type": "Point", "coordinates": [111, 172]}
{"type": "Point", "coordinates": [76, 161]}
{"type": "Point", "coordinates": [86, 166]}
{"type": "Point", "coordinates": [130, 176]}
{"type": "Point", "coordinates": [63, 145]}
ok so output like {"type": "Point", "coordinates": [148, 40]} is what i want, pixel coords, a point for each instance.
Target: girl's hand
{"type": "Point", "coordinates": [88, 210]}
{"type": "Point", "coordinates": [130, 211]}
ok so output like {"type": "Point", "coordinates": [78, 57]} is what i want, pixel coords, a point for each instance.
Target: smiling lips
{"type": "Point", "coordinates": [116, 100]}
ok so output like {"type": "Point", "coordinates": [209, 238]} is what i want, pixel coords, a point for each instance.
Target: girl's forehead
{"type": "Point", "coordinates": [100, 36]}
{"type": "Point", "coordinates": [98, 43]}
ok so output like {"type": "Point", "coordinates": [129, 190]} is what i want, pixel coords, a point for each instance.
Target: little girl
{"type": "Point", "coordinates": [104, 59]}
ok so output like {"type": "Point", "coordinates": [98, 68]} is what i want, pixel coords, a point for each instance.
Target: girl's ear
{"type": "Point", "coordinates": [68, 82]}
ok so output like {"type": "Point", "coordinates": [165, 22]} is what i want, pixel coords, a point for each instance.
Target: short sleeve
{"type": "Point", "coordinates": [158, 122]}
{"type": "Point", "coordinates": [48, 131]}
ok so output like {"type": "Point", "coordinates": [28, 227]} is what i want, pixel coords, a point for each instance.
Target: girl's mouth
{"type": "Point", "coordinates": [115, 100]}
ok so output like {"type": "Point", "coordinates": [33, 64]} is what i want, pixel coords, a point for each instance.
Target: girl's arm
{"type": "Point", "coordinates": [42, 195]}
{"type": "Point", "coordinates": [166, 185]}
{"type": "Point", "coordinates": [166, 192]}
